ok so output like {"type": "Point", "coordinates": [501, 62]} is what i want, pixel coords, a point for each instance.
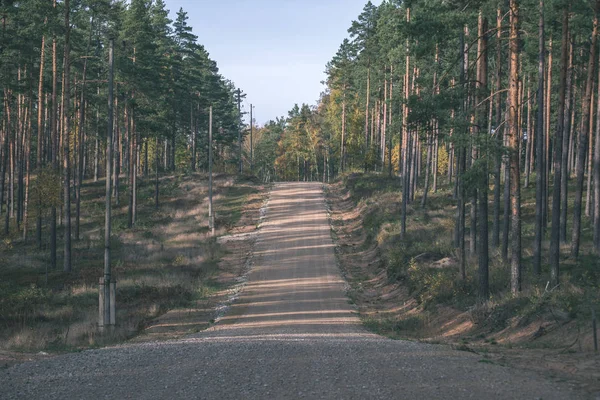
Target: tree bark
{"type": "Point", "coordinates": [499, 142]}
{"type": "Point", "coordinates": [482, 70]}
{"type": "Point", "coordinates": [40, 131]}
{"type": "Point", "coordinates": [513, 138]}
{"type": "Point", "coordinates": [540, 126]}
{"type": "Point", "coordinates": [558, 158]}
{"type": "Point", "coordinates": [564, 180]}
{"type": "Point", "coordinates": [66, 151]}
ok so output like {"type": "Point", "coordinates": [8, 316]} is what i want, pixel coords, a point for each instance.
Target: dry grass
{"type": "Point", "coordinates": [167, 261]}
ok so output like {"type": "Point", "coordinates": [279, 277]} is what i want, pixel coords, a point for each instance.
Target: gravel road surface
{"type": "Point", "coordinates": [291, 334]}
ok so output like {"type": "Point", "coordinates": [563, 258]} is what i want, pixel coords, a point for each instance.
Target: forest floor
{"type": "Point", "coordinates": [409, 289]}
{"type": "Point", "coordinates": [171, 274]}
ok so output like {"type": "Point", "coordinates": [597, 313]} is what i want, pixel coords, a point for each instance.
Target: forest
{"type": "Point", "coordinates": [483, 100]}
{"type": "Point", "coordinates": [54, 77]}
{"type": "Point", "coordinates": [483, 111]}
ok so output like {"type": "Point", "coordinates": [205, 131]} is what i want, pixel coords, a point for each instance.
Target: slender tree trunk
{"type": "Point", "coordinates": [27, 161]}
{"type": "Point", "coordinates": [343, 141]}
{"type": "Point", "coordinates": [583, 138]}
{"type": "Point", "coordinates": [590, 158]}
{"type": "Point", "coordinates": [482, 71]}
{"type": "Point", "coordinates": [193, 132]}
{"type": "Point", "coordinates": [462, 161]}
{"type": "Point", "coordinates": [81, 136]}
{"type": "Point", "coordinates": [97, 143]}
{"type": "Point", "coordinates": [66, 151]}
{"type": "Point", "coordinates": [427, 169]}
{"type": "Point", "coordinates": [40, 131]}
{"type": "Point", "coordinates": [564, 179]}
{"type": "Point", "coordinates": [499, 142]}
{"type": "Point", "coordinates": [156, 181]}
{"type": "Point", "coordinates": [540, 125]}
{"type": "Point", "coordinates": [368, 94]}
{"type": "Point", "coordinates": [54, 130]}
{"type": "Point", "coordinates": [558, 158]}
{"type": "Point", "coordinates": [132, 173]}
{"type": "Point", "coordinates": [528, 143]}
{"type": "Point", "coordinates": [596, 173]}
{"type": "Point", "coordinates": [547, 154]}
{"type": "Point", "coordinates": [513, 138]}
{"type": "Point", "coordinates": [117, 145]}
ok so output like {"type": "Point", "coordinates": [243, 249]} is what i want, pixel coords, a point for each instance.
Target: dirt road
{"type": "Point", "coordinates": [291, 334]}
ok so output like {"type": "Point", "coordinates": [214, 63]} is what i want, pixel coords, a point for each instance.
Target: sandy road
{"type": "Point", "coordinates": [291, 334]}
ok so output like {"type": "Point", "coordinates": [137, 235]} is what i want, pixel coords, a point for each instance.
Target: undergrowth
{"type": "Point", "coordinates": [165, 262]}
{"type": "Point", "coordinates": [425, 261]}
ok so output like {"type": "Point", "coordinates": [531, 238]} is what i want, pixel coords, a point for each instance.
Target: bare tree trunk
{"type": "Point", "coordinates": [427, 169]}
{"type": "Point", "coordinates": [482, 71]}
{"type": "Point", "coordinates": [498, 121]}
{"type": "Point", "coordinates": [590, 157]}
{"type": "Point", "coordinates": [547, 155]}
{"type": "Point", "coordinates": [564, 180]}
{"type": "Point", "coordinates": [583, 138]}
{"type": "Point", "coordinates": [540, 126]}
{"type": "Point", "coordinates": [596, 173]}
{"type": "Point", "coordinates": [66, 132]}
{"type": "Point", "coordinates": [156, 181]}
{"type": "Point", "coordinates": [40, 131]}
{"type": "Point", "coordinates": [528, 143]}
{"type": "Point", "coordinates": [193, 131]}
{"type": "Point", "coordinates": [367, 116]}
{"type": "Point", "coordinates": [461, 168]}
{"type": "Point", "coordinates": [513, 133]}
{"type": "Point", "coordinates": [27, 161]}
{"type": "Point", "coordinates": [117, 153]}
{"type": "Point", "coordinates": [54, 130]}
{"type": "Point", "coordinates": [132, 174]}
{"type": "Point", "coordinates": [558, 158]}
{"type": "Point", "coordinates": [343, 141]}
{"type": "Point", "coordinates": [81, 137]}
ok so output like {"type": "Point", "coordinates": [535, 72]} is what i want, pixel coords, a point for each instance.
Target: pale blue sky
{"type": "Point", "coordinates": [275, 51]}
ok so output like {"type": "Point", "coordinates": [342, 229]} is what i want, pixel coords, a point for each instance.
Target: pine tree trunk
{"type": "Point", "coordinates": [540, 126]}
{"type": "Point", "coordinates": [27, 155]}
{"type": "Point", "coordinates": [117, 145]}
{"type": "Point", "coordinates": [427, 169]}
{"type": "Point", "coordinates": [132, 174]}
{"type": "Point", "coordinates": [499, 143]}
{"type": "Point", "coordinates": [343, 141]}
{"type": "Point", "coordinates": [564, 179]}
{"type": "Point", "coordinates": [66, 133]}
{"type": "Point", "coordinates": [547, 154]}
{"type": "Point", "coordinates": [528, 143]}
{"type": "Point", "coordinates": [40, 131]}
{"type": "Point", "coordinates": [54, 130]}
{"type": "Point", "coordinates": [482, 71]}
{"type": "Point", "coordinates": [193, 132]}
{"type": "Point", "coordinates": [462, 160]}
{"type": "Point", "coordinates": [558, 158]}
{"type": "Point", "coordinates": [590, 158]}
{"type": "Point", "coordinates": [156, 182]}
{"type": "Point", "coordinates": [583, 139]}
{"type": "Point", "coordinates": [513, 139]}
{"type": "Point", "coordinates": [596, 174]}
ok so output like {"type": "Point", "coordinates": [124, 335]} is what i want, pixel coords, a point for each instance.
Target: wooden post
{"type": "Point", "coordinates": [101, 303]}
{"type": "Point", "coordinates": [595, 330]}
{"type": "Point", "coordinates": [113, 298]}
